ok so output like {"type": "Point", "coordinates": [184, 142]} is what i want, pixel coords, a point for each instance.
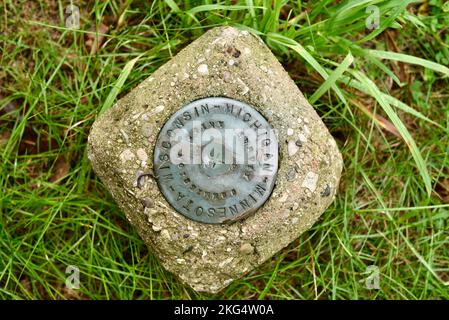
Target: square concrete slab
{"type": "Point", "coordinates": [208, 249]}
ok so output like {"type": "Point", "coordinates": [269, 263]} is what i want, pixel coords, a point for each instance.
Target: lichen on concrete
{"type": "Point", "coordinates": [224, 62]}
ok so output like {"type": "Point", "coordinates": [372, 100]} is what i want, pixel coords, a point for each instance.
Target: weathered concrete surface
{"type": "Point", "coordinates": [230, 63]}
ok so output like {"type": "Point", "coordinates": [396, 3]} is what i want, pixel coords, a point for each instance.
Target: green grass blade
{"type": "Point", "coordinates": [173, 6]}
{"type": "Point", "coordinates": [211, 7]}
{"type": "Point", "coordinates": [252, 12]}
{"type": "Point", "coordinates": [377, 94]}
{"type": "Point", "coordinates": [387, 22]}
{"type": "Point", "coordinates": [391, 100]}
{"type": "Point", "coordinates": [410, 59]}
{"type": "Point", "coordinates": [404, 107]}
{"type": "Point", "coordinates": [338, 72]}
{"type": "Point", "coordinates": [118, 84]}
{"type": "Point", "coordinates": [299, 49]}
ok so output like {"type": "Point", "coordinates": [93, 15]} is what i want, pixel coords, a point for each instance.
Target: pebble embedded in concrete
{"type": "Point", "coordinates": [203, 69]}
{"type": "Point", "coordinates": [246, 248]}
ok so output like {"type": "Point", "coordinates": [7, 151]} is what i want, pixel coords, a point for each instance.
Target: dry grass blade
{"type": "Point", "coordinates": [381, 121]}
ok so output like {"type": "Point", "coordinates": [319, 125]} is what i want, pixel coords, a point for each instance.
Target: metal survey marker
{"type": "Point", "coordinates": [216, 160]}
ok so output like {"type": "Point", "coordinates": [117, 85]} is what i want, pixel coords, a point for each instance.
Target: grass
{"type": "Point", "coordinates": [383, 93]}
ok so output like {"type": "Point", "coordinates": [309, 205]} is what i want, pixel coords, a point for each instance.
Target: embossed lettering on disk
{"type": "Point", "coordinates": [216, 160]}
